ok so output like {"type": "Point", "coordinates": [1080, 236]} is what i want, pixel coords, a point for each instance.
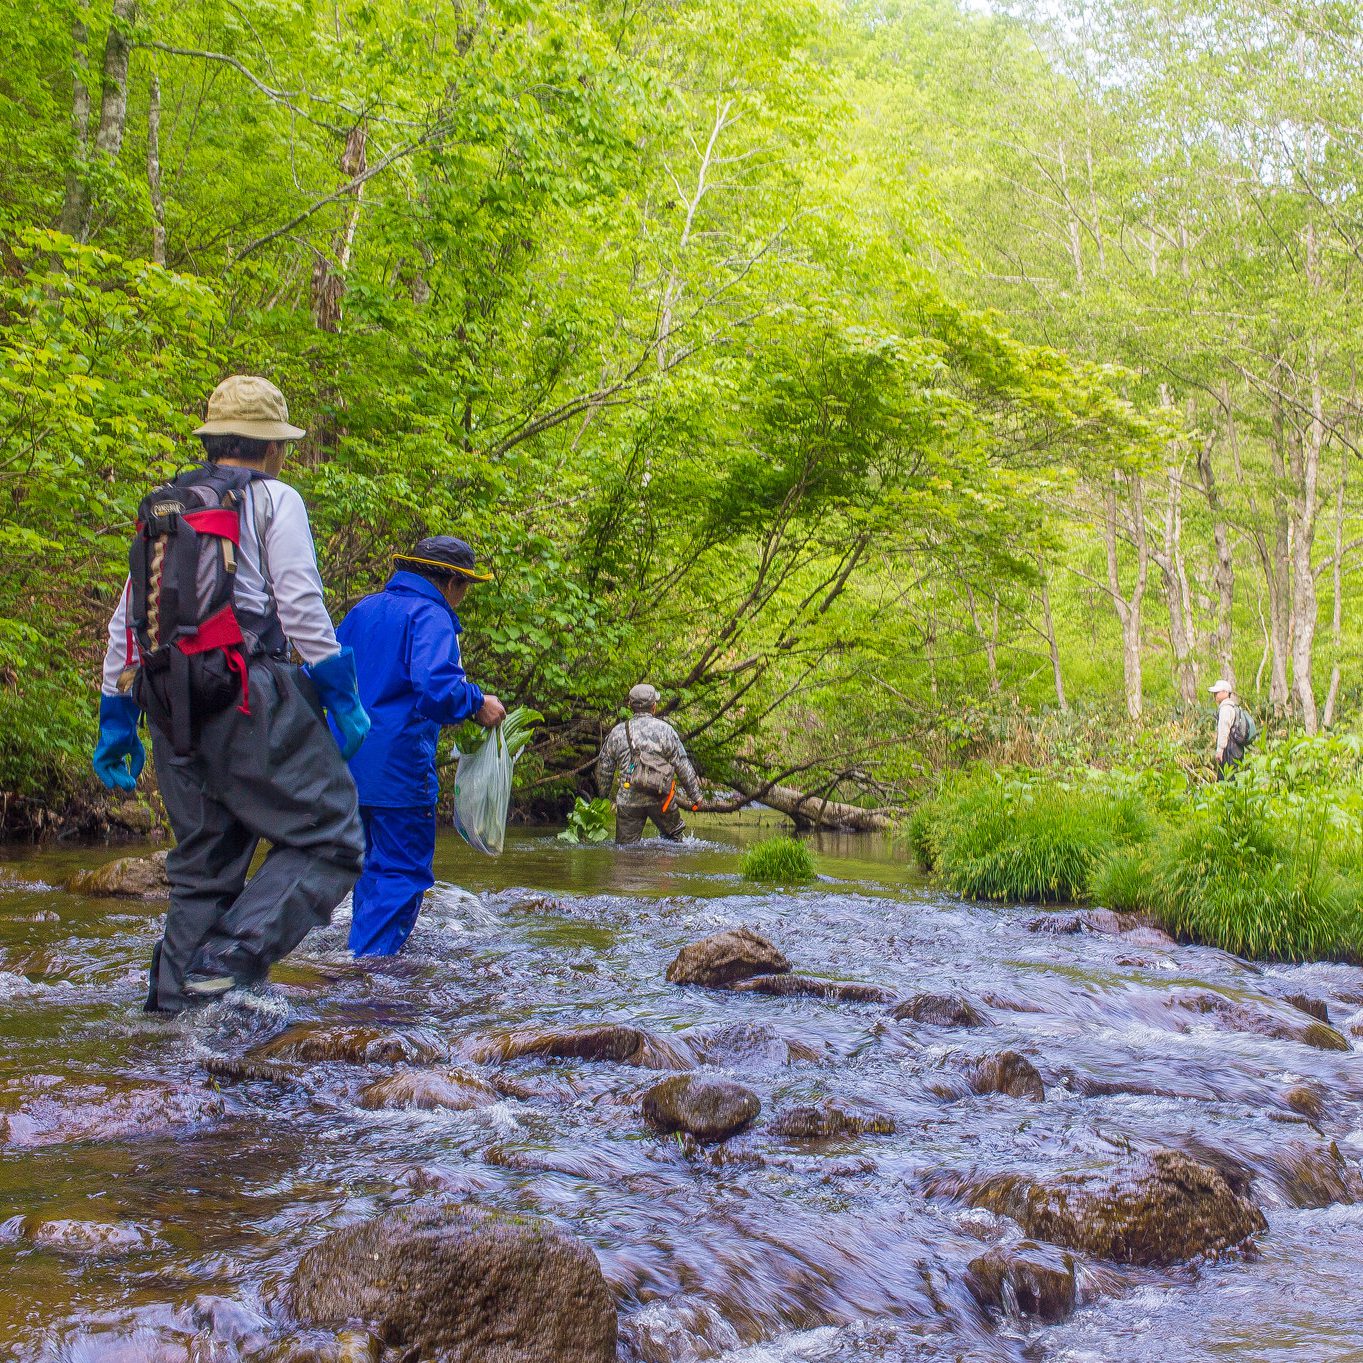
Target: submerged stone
{"type": "Point", "coordinates": [1312, 1007]}
{"type": "Point", "coordinates": [723, 957]}
{"type": "Point", "coordinates": [127, 878]}
{"type": "Point", "coordinates": [829, 1120]}
{"type": "Point", "coordinates": [615, 1042]}
{"type": "Point", "coordinates": [1008, 1073]}
{"type": "Point", "coordinates": [459, 1285]}
{"type": "Point", "coordinates": [1027, 1279]}
{"type": "Point", "coordinates": [1165, 1208]}
{"type": "Point", "coordinates": [1241, 1016]}
{"type": "Point", "coordinates": [90, 1239]}
{"type": "Point", "coordinates": [839, 991]}
{"type": "Point", "coordinates": [318, 1042]}
{"type": "Point", "coordinates": [708, 1109]}
{"type": "Point", "coordinates": [939, 1010]}
{"type": "Point", "coordinates": [427, 1090]}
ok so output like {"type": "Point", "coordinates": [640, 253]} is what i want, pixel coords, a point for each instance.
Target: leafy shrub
{"type": "Point", "coordinates": [588, 821]}
{"type": "Point", "coordinates": [1121, 880]}
{"type": "Point", "coordinates": [781, 861]}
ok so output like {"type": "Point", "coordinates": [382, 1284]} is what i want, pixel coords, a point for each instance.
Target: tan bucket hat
{"type": "Point", "coordinates": [246, 405]}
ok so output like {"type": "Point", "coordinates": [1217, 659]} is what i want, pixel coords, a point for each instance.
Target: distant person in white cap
{"type": "Point", "coordinates": [222, 584]}
{"type": "Point", "coordinates": [1235, 730]}
{"type": "Point", "coordinates": [651, 762]}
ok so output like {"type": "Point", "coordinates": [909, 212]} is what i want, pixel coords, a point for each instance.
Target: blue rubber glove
{"type": "Point", "coordinates": [339, 691]}
{"type": "Point", "coordinates": [119, 755]}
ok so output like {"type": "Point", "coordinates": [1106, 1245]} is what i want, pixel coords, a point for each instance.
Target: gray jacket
{"type": "Point", "coordinates": [654, 735]}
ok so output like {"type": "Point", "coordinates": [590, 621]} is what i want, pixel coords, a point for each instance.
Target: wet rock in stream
{"type": "Point", "coordinates": [317, 1042]}
{"type": "Point", "coordinates": [1027, 1279]}
{"type": "Point", "coordinates": [461, 1285]}
{"type": "Point", "coordinates": [1307, 1100]}
{"type": "Point", "coordinates": [428, 1089]}
{"type": "Point", "coordinates": [828, 1120]}
{"type": "Point", "coordinates": [41, 1110]}
{"type": "Point", "coordinates": [615, 1042]}
{"type": "Point", "coordinates": [126, 878]}
{"type": "Point", "coordinates": [1164, 1208]}
{"type": "Point", "coordinates": [747, 1046]}
{"type": "Point", "coordinates": [87, 1239]}
{"type": "Point", "coordinates": [1312, 1007]}
{"type": "Point", "coordinates": [838, 991]}
{"type": "Point", "coordinates": [939, 1010]}
{"type": "Point", "coordinates": [1300, 1173]}
{"type": "Point", "coordinates": [1005, 1072]}
{"type": "Point", "coordinates": [1240, 1016]}
{"type": "Point", "coordinates": [723, 957]}
{"type": "Point", "coordinates": [708, 1109]}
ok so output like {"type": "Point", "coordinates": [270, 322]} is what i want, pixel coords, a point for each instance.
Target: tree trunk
{"type": "Point", "coordinates": [158, 204]}
{"type": "Point", "coordinates": [1051, 642]}
{"type": "Point", "coordinates": [1277, 565]}
{"type": "Point", "coordinates": [74, 204]}
{"type": "Point", "coordinates": [1128, 609]}
{"type": "Point", "coordinates": [989, 638]}
{"type": "Point", "coordinates": [808, 811]}
{"type": "Point", "coordinates": [1177, 593]}
{"type": "Point", "coordinates": [1223, 574]}
{"type": "Point", "coordinates": [328, 271]}
{"type": "Point", "coordinates": [1337, 616]}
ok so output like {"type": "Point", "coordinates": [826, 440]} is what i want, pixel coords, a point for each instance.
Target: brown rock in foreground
{"type": "Point", "coordinates": [1008, 1073]}
{"type": "Point", "coordinates": [1312, 1007]}
{"type": "Point", "coordinates": [708, 1109]}
{"type": "Point", "coordinates": [459, 1285]}
{"type": "Point", "coordinates": [1037, 1279]}
{"type": "Point", "coordinates": [427, 1090]}
{"type": "Point", "coordinates": [736, 954]}
{"type": "Point", "coordinates": [939, 1010]}
{"type": "Point", "coordinates": [1164, 1209]}
{"type": "Point", "coordinates": [126, 878]}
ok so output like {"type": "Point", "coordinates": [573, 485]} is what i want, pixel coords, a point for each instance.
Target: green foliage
{"type": "Point", "coordinates": [778, 861]}
{"type": "Point", "coordinates": [518, 732]}
{"type": "Point", "coordinates": [1014, 839]}
{"type": "Point", "coordinates": [588, 821]}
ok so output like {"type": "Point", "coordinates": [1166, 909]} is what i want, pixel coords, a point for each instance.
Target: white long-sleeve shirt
{"type": "Point", "coordinates": [292, 560]}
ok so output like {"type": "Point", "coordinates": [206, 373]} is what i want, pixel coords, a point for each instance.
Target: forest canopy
{"type": "Point", "coordinates": [879, 380]}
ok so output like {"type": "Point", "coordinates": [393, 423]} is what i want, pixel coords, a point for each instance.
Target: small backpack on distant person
{"type": "Point", "coordinates": [1244, 730]}
{"type": "Point", "coordinates": [182, 570]}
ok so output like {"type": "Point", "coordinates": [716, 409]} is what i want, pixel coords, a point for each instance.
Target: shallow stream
{"type": "Point", "coordinates": [151, 1212]}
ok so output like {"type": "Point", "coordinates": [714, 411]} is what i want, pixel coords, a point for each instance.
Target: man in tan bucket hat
{"type": "Point", "coordinates": [223, 580]}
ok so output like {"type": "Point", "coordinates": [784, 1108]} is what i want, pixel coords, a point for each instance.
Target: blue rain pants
{"type": "Point", "coordinates": [399, 848]}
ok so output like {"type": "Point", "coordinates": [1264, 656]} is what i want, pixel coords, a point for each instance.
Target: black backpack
{"type": "Point", "coordinates": [182, 571]}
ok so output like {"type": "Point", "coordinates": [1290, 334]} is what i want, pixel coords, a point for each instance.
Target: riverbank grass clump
{"type": "Point", "coordinates": [778, 861]}
{"type": "Point", "coordinates": [1265, 867]}
{"type": "Point", "coordinates": [1023, 841]}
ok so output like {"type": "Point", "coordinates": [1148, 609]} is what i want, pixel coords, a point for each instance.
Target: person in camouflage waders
{"type": "Point", "coordinates": [656, 776]}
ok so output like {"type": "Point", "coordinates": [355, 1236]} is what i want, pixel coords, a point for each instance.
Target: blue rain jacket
{"type": "Point", "coordinates": [406, 642]}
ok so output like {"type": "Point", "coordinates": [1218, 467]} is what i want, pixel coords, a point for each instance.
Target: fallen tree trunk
{"type": "Point", "coordinates": [808, 811]}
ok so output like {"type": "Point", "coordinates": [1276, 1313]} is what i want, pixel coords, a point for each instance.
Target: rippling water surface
{"type": "Point", "coordinates": [151, 1212]}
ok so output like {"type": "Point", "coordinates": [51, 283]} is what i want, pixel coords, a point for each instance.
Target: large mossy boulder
{"type": "Point", "coordinates": [1165, 1208]}
{"type": "Point", "coordinates": [720, 959]}
{"type": "Point", "coordinates": [126, 878]}
{"type": "Point", "coordinates": [708, 1109]}
{"type": "Point", "coordinates": [459, 1285]}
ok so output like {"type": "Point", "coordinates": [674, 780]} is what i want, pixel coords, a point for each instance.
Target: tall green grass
{"type": "Point", "coordinates": [779, 861]}
{"type": "Point", "coordinates": [1269, 867]}
{"type": "Point", "coordinates": [1038, 843]}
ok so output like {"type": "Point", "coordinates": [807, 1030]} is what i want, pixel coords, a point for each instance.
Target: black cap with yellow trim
{"type": "Point", "coordinates": [443, 556]}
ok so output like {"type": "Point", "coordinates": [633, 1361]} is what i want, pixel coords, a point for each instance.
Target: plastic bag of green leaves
{"type": "Point", "coordinates": [482, 779]}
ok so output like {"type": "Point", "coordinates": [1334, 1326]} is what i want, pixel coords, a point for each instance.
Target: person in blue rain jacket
{"type": "Point", "coordinates": [411, 682]}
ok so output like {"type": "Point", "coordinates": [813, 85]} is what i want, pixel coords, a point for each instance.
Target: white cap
{"type": "Point", "coordinates": [1220, 684]}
